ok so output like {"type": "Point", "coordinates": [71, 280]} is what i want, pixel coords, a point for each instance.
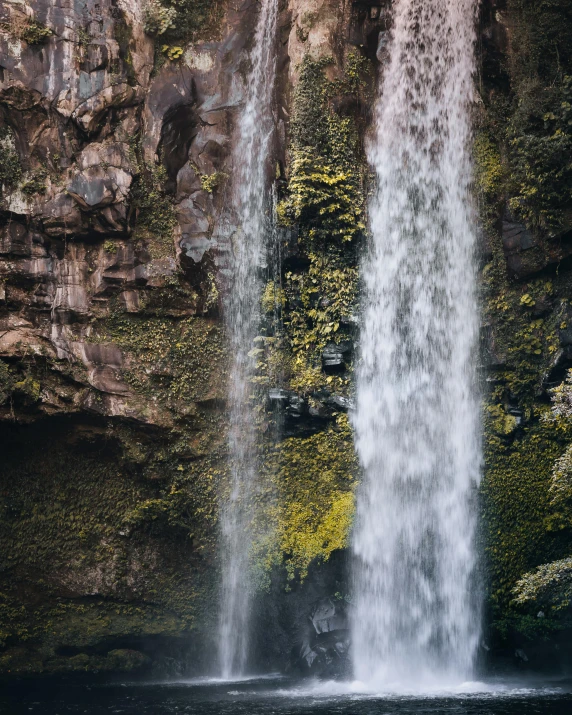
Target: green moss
{"type": "Point", "coordinates": [524, 344]}
{"type": "Point", "coordinates": [172, 359]}
{"type": "Point", "coordinates": [10, 167]}
{"type": "Point", "coordinates": [314, 480]}
{"type": "Point", "coordinates": [210, 182]}
{"type": "Point", "coordinates": [36, 184]}
{"type": "Point", "coordinates": [183, 20]}
{"type": "Point", "coordinates": [155, 211]}
{"type": "Point", "coordinates": [7, 381]}
{"type": "Point", "coordinates": [521, 528]}
{"type": "Point", "coordinates": [67, 530]}
{"type": "Point", "coordinates": [490, 173]}
{"type": "Point", "coordinates": [534, 125]}
{"type": "Point", "coordinates": [325, 189]}
{"type": "Point", "coordinates": [325, 200]}
{"type": "Point", "coordinates": [34, 33]}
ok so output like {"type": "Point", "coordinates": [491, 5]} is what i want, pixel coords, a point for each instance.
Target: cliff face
{"type": "Point", "coordinates": [116, 170]}
{"type": "Point", "coordinates": [522, 152]}
{"type": "Point", "coordinates": [117, 123]}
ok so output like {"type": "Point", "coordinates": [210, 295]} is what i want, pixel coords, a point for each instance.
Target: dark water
{"type": "Point", "coordinates": [274, 696]}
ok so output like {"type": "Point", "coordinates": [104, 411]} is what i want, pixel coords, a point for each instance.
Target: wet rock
{"type": "Point", "coordinates": [324, 648]}
{"type": "Point", "coordinates": [297, 406]}
{"type": "Point", "coordinates": [278, 396]}
{"type": "Point", "coordinates": [340, 402]}
{"type": "Point", "coordinates": [526, 253]}
{"type": "Point", "coordinates": [335, 356]}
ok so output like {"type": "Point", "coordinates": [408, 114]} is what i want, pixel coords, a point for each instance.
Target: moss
{"type": "Point", "coordinates": [36, 184]}
{"type": "Point", "coordinates": [314, 480]}
{"type": "Point", "coordinates": [155, 211]}
{"type": "Point", "coordinates": [533, 125]}
{"type": "Point", "coordinates": [172, 359]}
{"type": "Point", "coordinates": [34, 32]}
{"type": "Point", "coordinates": [325, 189]}
{"type": "Point", "coordinates": [67, 530]}
{"type": "Point", "coordinates": [211, 182]}
{"type": "Point", "coordinates": [524, 344]}
{"type": "Point", "coordinates": [522, 529]}
{"type": "Point", "coordinates": [10, 167]}
{"type": "Point", "coordinates": [325, 199]}
{"type": "Point", "coordinates": [7, 381]}
{"type": "Point", "coordinates": [490, 174]}
{"type": "Point", "coordinates": [183, 20]}
{"type": "Point", "coordinates": [273, 298]}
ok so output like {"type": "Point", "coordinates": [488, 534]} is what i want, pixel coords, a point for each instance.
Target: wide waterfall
{"type": "Point", "coordinates": [416, 617]}
{"type": "Point", "coordinates": [251, 206]}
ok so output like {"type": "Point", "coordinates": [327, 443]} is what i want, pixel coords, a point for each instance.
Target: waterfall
{"type": "Point", "coordinates": [250, 203]}
{"type": "Point", "coordinates": [416, 616]}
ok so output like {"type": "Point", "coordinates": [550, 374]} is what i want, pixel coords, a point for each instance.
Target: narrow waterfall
{"type": "Point", "coordinates": [416, 618]}
{"type": "Point", "coordinates": [251, 203]}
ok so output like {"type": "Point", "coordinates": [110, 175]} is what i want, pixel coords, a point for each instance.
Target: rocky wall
{"type": "Point", "coordinates": [117, 124]}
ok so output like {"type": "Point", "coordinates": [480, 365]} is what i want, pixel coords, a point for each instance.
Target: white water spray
{"type": "Point", "coordinates": [250, 198]}
{"type": "Point", "coordinates": [416, 617]}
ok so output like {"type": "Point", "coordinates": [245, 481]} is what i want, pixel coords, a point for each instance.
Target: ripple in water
{"type": "Point", "coordinates": [258, 697]}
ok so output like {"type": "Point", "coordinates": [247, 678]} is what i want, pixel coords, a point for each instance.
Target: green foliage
{"type": "Point", "coordinates": [210, 182]}
{"type": "Point", "coordinates": [10, 167]}
{"type": "Point", "coordinates": [173, 52]}
{"type": "Point", "coordinates": [157, 18]}
{"type": "Point", "coordinates": [541, 38]}
{"type": "Point", "coordinates": [537, 131]}
{"type": "Point", "coordinates": [156, 216]}
{"type": "Point", "coordinates": [325, 199]}
{"type": "Point", "coordinates": [540, 142]}
{"type": "Point", "coordinates": [326, 295]}
{"type": "Point", "coordinates": [325, 190]}
{"type": "Point", "coordinates": [549, 585]}
{"type": "Point", "coordinates": [561, 486]}
{"type": "Point", "coordinates": [524, 344]}
{"type": "Point", "coordinates": [72, 521]}
{"type": "Point", "coordinates": [34, 33]}
{"type": "Point", "coordinates": [7, 381]}
{"type": "Point", "coordinates": [490, 176]}
{"type": "Point", "coordinates": [173, 359]}
{"type": "Point", "coordinates": [183, 20]}
{"type": "Point", "coordinates": [37, 184]}
{"type": "Point", "coordinates": [521, 528]}
{"type": "Point", "coordinates": [314, 480]}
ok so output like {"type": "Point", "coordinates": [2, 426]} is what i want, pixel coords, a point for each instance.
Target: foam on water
{"type": "Point", "coordinates": [356, 690]}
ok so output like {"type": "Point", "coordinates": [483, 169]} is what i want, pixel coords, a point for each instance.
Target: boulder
{"type": "Point", "coordinates": [324, 648]}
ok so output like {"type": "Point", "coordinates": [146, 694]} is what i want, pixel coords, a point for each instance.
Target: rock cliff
{"type": "Point", "coordinates": [117, 122]}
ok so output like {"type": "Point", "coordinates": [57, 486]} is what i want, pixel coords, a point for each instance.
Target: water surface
{"type": "Point", "coordinates": [279, 696]}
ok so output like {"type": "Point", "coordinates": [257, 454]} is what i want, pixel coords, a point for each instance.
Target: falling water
{"type": "Point", "coordinates": [416, 618]}
{"type": "Point", "coordinates": [255, 132]}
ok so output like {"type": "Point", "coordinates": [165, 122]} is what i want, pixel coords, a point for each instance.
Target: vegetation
{"type": "Point", "coordinates": [522, 141]}
{"type": "Point", "coordinates": [155, 211]}
{"type": "Point", "coordinates": [325, 189]}
{"type": "Point", "coordinates": [10, 167]}
{"type": "Point", "coordinates": [182, 20]}
{"type": "Point", "coordinates": [308, 493]}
